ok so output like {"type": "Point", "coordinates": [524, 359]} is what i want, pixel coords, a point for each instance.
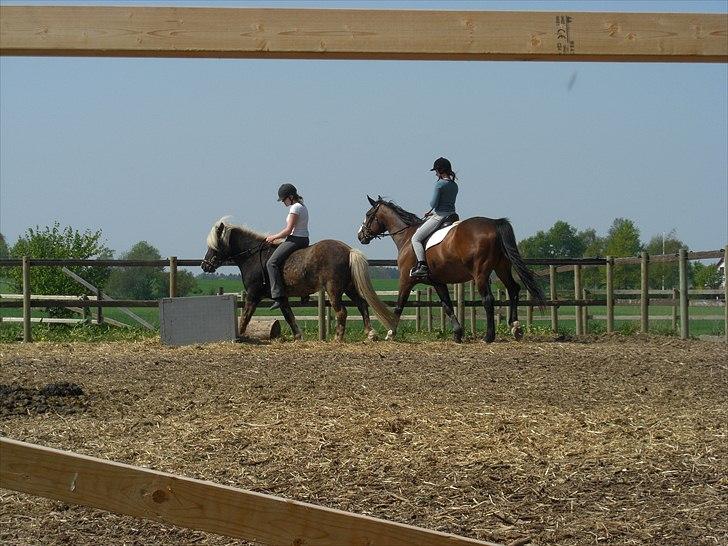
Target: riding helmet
{"type": "Point", "coordinates": [286, 190]}
{"type": "Point", "coordinates": [442, 165]}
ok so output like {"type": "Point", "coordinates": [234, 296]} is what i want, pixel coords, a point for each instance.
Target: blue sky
{"type": "Point", "coordinates": [159, 149]}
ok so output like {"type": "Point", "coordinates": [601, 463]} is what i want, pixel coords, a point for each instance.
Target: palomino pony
{"type": "Point", "coordinates": [471, 250]}
{"type": "Point", "coordinates": [328, 264]}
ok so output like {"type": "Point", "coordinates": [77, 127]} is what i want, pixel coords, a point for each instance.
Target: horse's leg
{"type": "Point", "coordinates": [405, 287]}
{"type": "Point", "coordinates": [483, 282]}
{"type": "Point", "coordinates": [250, 305]}
{"type": "Point", "coordinates": [290, 319]}
{"type": "Point", "coordinates": [340, 309]}
{"type": "Point", "coordinates": [363, 307]}
{"type": "Point", "coordinates": [513, 288]}
{"type": "Point", "coordinates": [444, 294]}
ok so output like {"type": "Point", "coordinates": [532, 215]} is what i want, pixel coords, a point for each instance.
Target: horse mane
{"type": "Point", "coordinates": [408, 218]}
{"type": "Point", "coordinates": [218, 242]}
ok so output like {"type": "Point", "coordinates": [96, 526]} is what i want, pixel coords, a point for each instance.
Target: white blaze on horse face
{"type": "Point", "coordinates": [360, 228]}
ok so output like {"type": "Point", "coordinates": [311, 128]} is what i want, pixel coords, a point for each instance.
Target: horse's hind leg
{"type": "Point", "coordinates": [363, 307]}
{"type": "Point", "coordinates": [340, 310]}
{"type": "Point", "coordinates": [483, 282]}
{"type": "Point", "coordinates": [444, 294]}
{"type": "Point", "coordinates": [513, 288]}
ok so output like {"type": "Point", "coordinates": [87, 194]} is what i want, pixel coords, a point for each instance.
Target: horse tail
{"type": "Point", "coordinates": [507, 239]}
{"type": "Point", "coordinates": [360, 274]}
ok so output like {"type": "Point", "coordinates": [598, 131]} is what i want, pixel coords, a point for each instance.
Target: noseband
{"type": "Point", "coordinates": [216, 261]}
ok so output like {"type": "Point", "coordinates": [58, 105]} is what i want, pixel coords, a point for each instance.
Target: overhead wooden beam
{"type": "Point", "coordinates": [205, 506]}
{"type": "Point", "coordinates": [362, 34]}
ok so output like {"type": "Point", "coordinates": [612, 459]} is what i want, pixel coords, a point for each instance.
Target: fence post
{"type": "Point", "coordinates": [27, 334]}
{"type": "Point", "coordinates": [497, 308]}
{"type": "Point", "coordinates": [684, 319]}
{"type": "Point", "coordinates": [173, 276]}
{"type": "Point", "coordinates": [644, 293]}
{"type": "Point", "coordinates": [674, 309]}
{"type": "Point", "coordinates": [529, 311]}
{"type": "Point", "coordinates": [429, 309]}
{"type": "Point", "coordinates": [442, 314]}
{"type": "Point", "coordinates": [577, 296]}
{"type": "Point", "coordinates": [473, 310]}
{"type": "Point", "coordinates": [99, 309]}
{"type": "Point", "coordinates": [554, 297]}
{"type": "Point", "coordinates": [585, 312]}
{"type": "Point", "coordinates": [610, 294]}
{"type": "Point", "coordinates": [418, 313]}
{"type": "Point", "coordinates": [461, 303]}
{"type": "Point", "coordinates": [321, 316]}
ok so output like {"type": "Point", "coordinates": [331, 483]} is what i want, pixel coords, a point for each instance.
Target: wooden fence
{"type": "Point", "coordinates": [583, 299]}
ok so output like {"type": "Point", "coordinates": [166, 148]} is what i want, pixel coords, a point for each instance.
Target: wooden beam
{"type": "Point", "coordinates": [362, 34]}
{"type": "Point", "coordinates": [196, 504]}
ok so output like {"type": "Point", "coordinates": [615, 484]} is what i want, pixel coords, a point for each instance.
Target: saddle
{"type": "Point", "coordinates": [437, 237]}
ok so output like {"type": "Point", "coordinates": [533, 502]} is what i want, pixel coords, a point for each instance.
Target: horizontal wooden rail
{"type": "Point", "coordinates": [362, 34]}
{"type": "Point", "coordinates": [196, 504]}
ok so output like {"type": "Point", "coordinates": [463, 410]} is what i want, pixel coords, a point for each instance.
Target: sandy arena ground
{"type": "Point", "coordinates": [617, 441]}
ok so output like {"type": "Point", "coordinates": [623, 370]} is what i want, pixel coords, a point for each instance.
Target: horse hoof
{"type": "Point", "coordinates": [372, 335]}
{"type": "Point", "coordinates": [517, 331]}
{"type": "Point", "coordinates": [297, 337]}
{"type": "Point", "coordinates": [390, 335]}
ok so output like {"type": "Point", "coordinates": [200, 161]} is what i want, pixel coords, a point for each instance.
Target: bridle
{"type": "Point", "coordinates": [216, 261]}
{"type": "Point", "coordinates": [366, 229]}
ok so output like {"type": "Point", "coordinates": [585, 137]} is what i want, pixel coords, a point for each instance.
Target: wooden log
{"type": "Point", "coordinates": [263, 328]}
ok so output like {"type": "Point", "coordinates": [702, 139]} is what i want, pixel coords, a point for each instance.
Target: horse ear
{"type": "Point", "coordinates": [372, 202]}
{"type": "Point", "coordinates": [379, 197]}
{"type": "Point", "coordinates": [220, 228]}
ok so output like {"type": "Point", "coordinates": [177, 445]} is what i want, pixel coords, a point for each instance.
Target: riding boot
{"type": "Point", "coordinates": [276, 304]}
{"type": "Point", "coordinates": [420, 271]}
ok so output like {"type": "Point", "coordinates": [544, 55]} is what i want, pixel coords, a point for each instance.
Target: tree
{"type": "Point", "coordinates": [593, 277]}
{"type": "Point", "coordinates": [560, 241]}
{"type": "Point", "coordinates": [623, 239]}
{"type": "Point", "coordinates": [706, 276]}
{"type": "Point", "coordinates": [4, 252]}
{"type": "Point", "coordinates": [146, 283]}
{"type": "Point", "coordinates": [667, 274]}
{"type": "Point", "coordinates": [56, 243]}
{"type": "Point", "coordinates": [137, 283]}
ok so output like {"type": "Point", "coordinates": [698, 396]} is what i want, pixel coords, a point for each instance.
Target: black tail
{"type": "Point", "coordinates": [508, 241]}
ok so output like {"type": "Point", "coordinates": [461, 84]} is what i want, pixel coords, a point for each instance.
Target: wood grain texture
{"type": "Point", "coordinates": [196, 504]}
{"type": "Point", "coordinates": [362, 34]}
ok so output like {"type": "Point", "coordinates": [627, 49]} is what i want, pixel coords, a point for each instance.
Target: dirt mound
{"type": "Point", "coordinates": [62, 398]}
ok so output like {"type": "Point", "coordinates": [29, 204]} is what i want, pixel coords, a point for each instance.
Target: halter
{"type": "Point", "coordinates": [368, 232]}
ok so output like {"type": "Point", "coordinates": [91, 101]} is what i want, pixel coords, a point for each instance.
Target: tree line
{"type": "Point", "coordinates": [562, 240]}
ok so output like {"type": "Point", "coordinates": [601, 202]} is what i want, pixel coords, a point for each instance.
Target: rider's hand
{"type": "Point", "coordinates": [270, 238]}
{"type": "Point", "coordinates": [428, 213]}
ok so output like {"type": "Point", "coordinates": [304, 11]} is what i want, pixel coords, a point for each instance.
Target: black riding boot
{"type": "Point", "coordinates": [420, 271]}
{"type": "Point", "coordinates": [276, 303]}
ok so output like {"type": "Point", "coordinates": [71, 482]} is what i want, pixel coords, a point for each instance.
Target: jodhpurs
{"type": "Point", "coordinates": [422, 233]}
{"type": "Point", "coordinates": [274, 265]}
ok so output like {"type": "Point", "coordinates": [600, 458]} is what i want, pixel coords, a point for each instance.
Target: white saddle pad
{"type": "Point", "coordinates": [437, 237]}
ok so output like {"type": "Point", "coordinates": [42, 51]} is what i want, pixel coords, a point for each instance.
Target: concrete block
{"type": "Point", "coordinates": [204, 319]}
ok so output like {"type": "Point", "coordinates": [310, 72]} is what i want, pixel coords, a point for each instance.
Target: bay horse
{"type": "Point", "coordinates": [471, 250]}
{"type": "Point", "coordinates": [328, 264]}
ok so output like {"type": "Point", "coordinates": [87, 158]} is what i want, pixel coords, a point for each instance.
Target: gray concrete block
{"type": "Point", "coordinates": [204, 319]}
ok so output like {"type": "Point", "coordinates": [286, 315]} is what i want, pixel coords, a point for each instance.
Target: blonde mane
{"type": "Point", "coordinates": [221, 242]}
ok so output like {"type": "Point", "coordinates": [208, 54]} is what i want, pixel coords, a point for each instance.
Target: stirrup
{"type": "Point", "coordinates": [420, 271]}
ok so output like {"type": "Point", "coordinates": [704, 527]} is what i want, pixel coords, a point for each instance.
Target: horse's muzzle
{"type": "Point", "coordinates": [209, 266]}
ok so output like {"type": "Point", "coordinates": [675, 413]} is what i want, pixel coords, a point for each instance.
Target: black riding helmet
{"type": "Point", "coordinates": [442, 165]}
{"type": "Point", "coordinates": [286, 190]}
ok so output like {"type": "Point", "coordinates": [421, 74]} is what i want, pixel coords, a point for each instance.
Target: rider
{"type": "Point", "coordinates": [296, 234]}
{"type": "Point", "coordinates": [443, 205]}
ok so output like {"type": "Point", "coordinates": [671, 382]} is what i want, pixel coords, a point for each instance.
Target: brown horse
{"type": "Point", "coordinates": [331, 265]}
{"type": "Point", "coordinates": [471, 250]}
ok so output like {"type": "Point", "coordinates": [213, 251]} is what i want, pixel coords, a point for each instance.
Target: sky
{"type": "Point", "coordinates": [159, 149]}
